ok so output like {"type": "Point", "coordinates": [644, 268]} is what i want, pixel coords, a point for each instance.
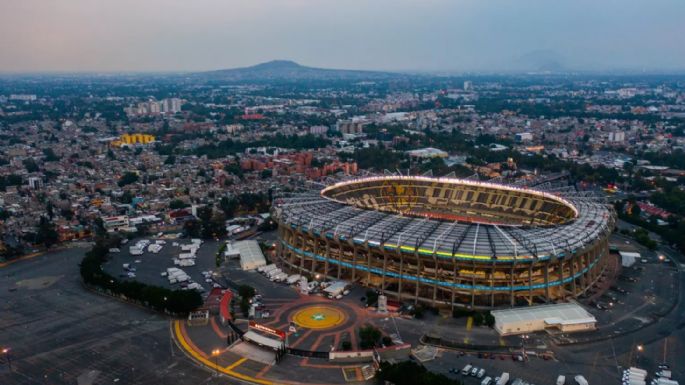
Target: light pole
{"type": "Point", "coordinates": [6, 352]}
{"type": "Point", "coordinates": [215, 354]}
{"type": "Point", "coordinates": [640, 349]}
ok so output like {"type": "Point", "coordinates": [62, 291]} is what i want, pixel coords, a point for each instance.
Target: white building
{"type": "Point", "coordinates": [617, 136]}
{"type": "Point", "coordinates": [116, 223]}
{"type": "Point", "coordinates": [171, 105]}
{"type": "Point", "coordinates": [628, 258]}
{"type": "Point", "coordinates": [523, 137]}
{"type": "Point", "coordinates": [562, 317]}
{"type": "Point", "coordinates": [35, 183]}
{"type": "Point", "coordinates": [23, 97]}
{"type": "Point", "coordinates": [427, 153]}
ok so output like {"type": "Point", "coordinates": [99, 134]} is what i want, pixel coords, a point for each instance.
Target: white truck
{"type": "Point", "coordinates": [135, 250]}
{"type": "Point", "coordinates": [186, 262]}
{"type": "Point", "coordinates": [154, 248]}
{"type": "Point", "coordinates": [581, 380]}
{"type": "Point", "coordinates": [664, 373]}
{"type": "Point", "coordinates": [293, 278]}
{"type": "Point", "coordinates": [196, 286]}
{"type": "Point", "coordinates": [272, 273]}
{"type": "Point", "coordinates": [183, 278]}
{"type": "Point", "coordinates": [466, 370]}
{"type": "Point", "coordinates": [186, 256]}
{"type": "Point", "coordinates": [486, 381]}
{"type": "Point", "coordinates": [266, 269]}
{"type": "Point", "coordinates": [561, 380]}
{"type": "Point", "coordinates": [503, 379]}
{"type": "Point", "coordinates": [189, 247]}
{"type": "Point", "coordinates": [280, 277]}
{"type": "Point", "coordinates": [636, 382]}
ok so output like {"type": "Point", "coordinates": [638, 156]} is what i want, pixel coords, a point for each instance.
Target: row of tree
{"type": "Point", "coordinates": [411, 373]}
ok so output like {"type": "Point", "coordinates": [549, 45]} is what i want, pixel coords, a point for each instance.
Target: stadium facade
{"type": "Point", "coordinates": [448, 242]}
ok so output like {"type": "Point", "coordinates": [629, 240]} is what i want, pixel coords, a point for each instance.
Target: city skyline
{"type": "Point", "coordinates": [447, 36]}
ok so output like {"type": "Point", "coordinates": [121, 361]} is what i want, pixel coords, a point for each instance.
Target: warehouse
{"type": "Point", "coordinates": [562, 317]}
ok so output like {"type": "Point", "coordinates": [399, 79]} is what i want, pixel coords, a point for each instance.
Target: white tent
{"type": "Point", "coordinates": [251, 256]}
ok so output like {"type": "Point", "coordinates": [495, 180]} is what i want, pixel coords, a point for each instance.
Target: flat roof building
{"type": "Point", "coordinates": [564, 317]}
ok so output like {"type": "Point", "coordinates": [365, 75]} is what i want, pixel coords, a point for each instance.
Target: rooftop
{"type": "Point", "coordinates": [560, 313]}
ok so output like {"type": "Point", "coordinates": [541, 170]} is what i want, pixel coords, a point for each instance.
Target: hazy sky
{"type": "Point", "coordinates": [443, 35]}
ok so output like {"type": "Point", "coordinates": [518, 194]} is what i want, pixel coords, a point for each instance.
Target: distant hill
{"type": "Point", "coordinates": [539, 61]}
{"type": "Point", "coordinates": [286, 70]}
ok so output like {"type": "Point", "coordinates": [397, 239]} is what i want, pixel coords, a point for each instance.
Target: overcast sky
{"type": "Point", "coordinates": [426, 35]}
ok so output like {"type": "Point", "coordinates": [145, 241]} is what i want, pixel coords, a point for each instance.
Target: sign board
{"type": "Point", "coordinates": [265, 329]}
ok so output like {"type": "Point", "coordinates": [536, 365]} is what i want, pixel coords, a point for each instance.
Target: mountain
{"type": "Point", "coordinates": [539, 61]}
{"type": "Point", "coordinates": [286, 70]}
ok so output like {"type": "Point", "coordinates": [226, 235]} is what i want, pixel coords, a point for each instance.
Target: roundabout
{"type": "Point", "coordinates": [319, 317]}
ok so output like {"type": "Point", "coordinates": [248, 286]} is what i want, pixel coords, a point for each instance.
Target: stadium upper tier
{"type": "Point", "coordinates": [450, 218]}
{"type": "Point", "coordinates": [453, 199]}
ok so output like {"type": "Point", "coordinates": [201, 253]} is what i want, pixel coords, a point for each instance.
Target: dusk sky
{"type": "Point", "coordinates": [423, 35]}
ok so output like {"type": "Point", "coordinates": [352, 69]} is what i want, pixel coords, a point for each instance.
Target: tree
{"type": "Point", "coordinates": [177, 204]}
{"type": "Point", "coordinates": [46, 234]}
{"type": "Point", "coordinates": [192, 228]}
{"type": "Point", "coordinates": [371, 297]}
{"type": "Point", "coordinates": [246, 292]}
{"type": "Point", "coordinates": [411, 373]}
{"type": "Point", "coordinates": [228, 206]}
{"type": "Point", "coordinates": [50, 155]}
{"type": "Point", "coordinates": [234, 169]}
{"type": "Point", "coordinates": [127, 178]}
{"type": "Point", "coordinates": [30, 165]}
{"type": "Point", "coordinates": [50, 210]}
{"type": "Point", "coordinates": [66, 213]}
{"type": "Point", "coordinates": [369, 336]}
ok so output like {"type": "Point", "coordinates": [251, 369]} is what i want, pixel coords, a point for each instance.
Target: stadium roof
{"type": "Point", "coordinates": [451, 239]}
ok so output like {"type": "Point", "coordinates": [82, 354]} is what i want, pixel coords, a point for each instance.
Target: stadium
{"type": "Point", "coordinates": [447, 241]}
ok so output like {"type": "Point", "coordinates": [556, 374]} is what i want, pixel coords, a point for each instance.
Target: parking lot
{"type": "Point", "coordinates": [534, 371]}
{"type": "Point", "coordinates": [61, 333]}
{"type": "Point", "coordinates": [151, 265]}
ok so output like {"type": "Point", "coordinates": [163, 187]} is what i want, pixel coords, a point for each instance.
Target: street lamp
{"type": "Point", "coordinates": [6, 352]}
{"type": "Point", "coordinates": [215, 354]}
{"type": "Point", "coordinates": [640, 348]}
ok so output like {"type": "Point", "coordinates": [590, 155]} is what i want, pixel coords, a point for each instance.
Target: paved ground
{"type": "Point", "coordinates": [59, 333]}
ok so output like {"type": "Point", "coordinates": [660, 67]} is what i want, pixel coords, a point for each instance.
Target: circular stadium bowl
{"type": "Point", "coordinates": [446, 241]}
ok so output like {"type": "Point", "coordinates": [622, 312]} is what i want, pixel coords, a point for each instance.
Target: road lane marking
{"type": "Point", "coordinates": [208, 363]}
